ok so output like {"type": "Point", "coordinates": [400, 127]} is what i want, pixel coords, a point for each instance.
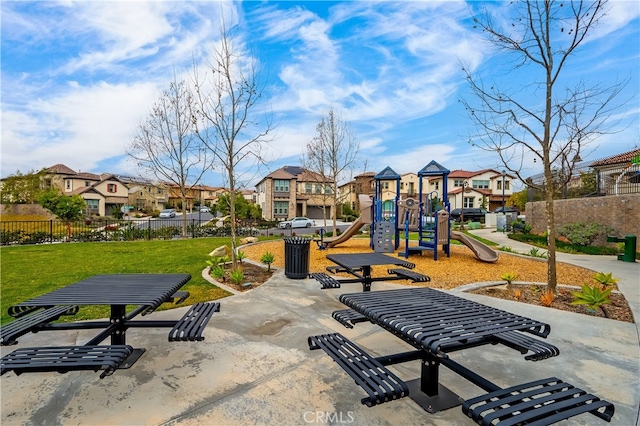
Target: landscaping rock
{"type": "Point", "coordinates": [221, 252]}
{"type": "Point", "coordinates": [248, 240]}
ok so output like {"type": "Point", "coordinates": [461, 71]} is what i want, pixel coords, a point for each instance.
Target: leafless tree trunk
{"type": "Point", "coordinates": [539, 114]}
{"type": "Point", "coordinates": [165, 145]}
{"type": "Point", "coordinates": [333, 151]}
{"type": "Point", "coordinates": [227, 96]}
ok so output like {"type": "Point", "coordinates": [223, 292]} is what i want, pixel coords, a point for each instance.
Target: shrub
{"type": "Point", "coordinates": [509, 277]}
{"type": "Point", "coordinates": [593, 297]}
{"type": "Point", "coordinates": [240, 255]}
{"type": "Point", "coordinates": [605, 280]}
{"type": "Point", "coordinates": [583, 234]}
{"type": "Point", "coordinates": [237, 276]}
{"type": "Point", "coordinates": [268, 258]}
{"type": "Point", "coordinates": [547, 298]}
{"type": "Point", "coordinates": [217, 271]}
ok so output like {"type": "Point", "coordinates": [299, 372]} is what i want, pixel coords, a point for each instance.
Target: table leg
{"type": "Point", "coordinates": [366, 274]}
{"type": "Point", "coordinates": [427, 391]}
{"type": "Point", "coordinates": [119, 334]}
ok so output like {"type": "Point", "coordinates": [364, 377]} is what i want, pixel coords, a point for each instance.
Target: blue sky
{"type": "Point", "coordinates": [77, 77]}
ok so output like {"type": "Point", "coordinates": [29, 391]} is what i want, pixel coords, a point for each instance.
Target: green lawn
{"type": "Point", "coordinates": [29, 271]}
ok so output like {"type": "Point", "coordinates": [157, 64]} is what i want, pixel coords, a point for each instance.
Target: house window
{"type": "Point", "coordinates": [281, 185]}
{"type": "Point", "coordinates": [480, 184]}
{"type": "Point", "coordinates": [87, 183]}
{"type": "Point", "coordinates": [92, 206]}
{"type": "Point", "coordinates": [385, 185]}
{"type": "Point", "coordinates": [280, 208]}
{"type": "Point", "coordinates": [112, 187]}
{"type": "Point", "coordinates": [506, 185]}
{"type": "Point", "coordinates": [328, 189]}
{"type": "Point", "coordinates": [467, 202]}
{"type": "Point", "coordinates": [458, 182]}
{"type": "Point", "coordinates": [307, 188]}
{"type": "Point", "coordinates": [318, 189]}
{"type": "Point", "coordinates": [68, 185]}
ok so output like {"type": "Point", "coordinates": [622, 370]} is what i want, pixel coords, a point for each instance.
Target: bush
{"type": "Point", "coordinates": [583, 234]}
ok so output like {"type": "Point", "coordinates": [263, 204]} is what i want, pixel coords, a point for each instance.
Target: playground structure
{"type": "Point", "coordinates": [427, 215]}
{"type": "Point", "coordinates": [365, 219]}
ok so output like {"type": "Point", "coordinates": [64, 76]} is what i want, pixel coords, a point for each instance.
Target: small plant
{"type": "Point", "coordinates": [535, 252]}
{"type": "Point", "coordinates": [517, 294]}
{"type": "Point", "coordinates": [237, 276]}
{"type": "Point", "coordinates": [214, 261]}
{"type": "Point", "coordinates": [536, 289]}
{"type": "Point", "coordinates": [605, 280]}
{"type": "Point", "coordinates": [240, 255]}
{"type": "Point", "coordinates": [507, 249]}
{"type": "Point", "coordinates": [592, 297]}
{"type": "Point", "coordinates": [547, 298]}
{"type": "Point", "coordinates": [217, 272]}
{"type": "Point", "coordinates": [268, 258]}
{"type": "Point", "coordinates": [509, 277]}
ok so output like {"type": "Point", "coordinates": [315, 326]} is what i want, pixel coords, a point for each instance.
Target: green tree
{"type": "Point", "coordinates": [22, 188]}
{"type": "Point", "coordinates": [519, 199]}
{"type": "Point", "coordinates": [243, 208]}
{"type": "Point", "coordinates": [66, 208]}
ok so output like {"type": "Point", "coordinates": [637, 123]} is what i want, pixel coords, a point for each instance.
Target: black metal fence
{"type": "Point", "coordinates": [55, 231]}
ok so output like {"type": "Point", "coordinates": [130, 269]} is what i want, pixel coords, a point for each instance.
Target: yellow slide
{"type": "Point", "coordinates": [482, 251]}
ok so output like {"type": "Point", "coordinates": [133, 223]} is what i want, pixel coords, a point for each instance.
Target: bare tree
{"type": "Point", "coordinates": [542, 115]}
{"type": "Point", "coordinates": [165, 144]}
{"type": "Point", "coordinates": [332, 152]}
{"type": "Point", "coordinates": [227, 97]}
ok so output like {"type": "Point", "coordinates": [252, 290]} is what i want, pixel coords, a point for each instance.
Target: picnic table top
{"type": "Point", "coordinates": [434, 320]}
{"type": "Point", "coordinates": [357, 260]}
{"type": "Point", "coordinates": [117, 289]}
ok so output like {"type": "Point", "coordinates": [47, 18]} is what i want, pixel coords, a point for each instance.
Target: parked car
{"type": "Point", "coordinates": [297, 222]}
{"type": "Point", "coordinates": [204, 209]}
{"type": "Point", "coordinates": [474, 215]}
{"type": "Point", "coordinates": [167, 213]}
{"type": "Point", "coordinates": [506, 210]}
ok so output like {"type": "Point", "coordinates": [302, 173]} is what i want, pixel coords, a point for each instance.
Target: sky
{"type": "Point", "coordinates": [78, 77]}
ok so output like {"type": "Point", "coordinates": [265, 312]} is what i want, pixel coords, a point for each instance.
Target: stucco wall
{"type": "Point", "coordinates": [621, 212]}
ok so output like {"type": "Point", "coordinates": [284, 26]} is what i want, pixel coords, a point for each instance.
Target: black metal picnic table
{"type": "Point", "coordinates": [359, 265]}
{"type": "Point", "coordinates": [437, 323]}
{"type": "Point", "coordinates": [144, 292]}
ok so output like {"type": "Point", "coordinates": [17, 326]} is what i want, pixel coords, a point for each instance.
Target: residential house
{"type": "Point", "coordinates": [361, 184]}
{"type": "Point", "coordinates": [478, 189]}
{"type": "Point", "coordinates": [103, 194]}
{"type": "Point", "coordinates": [294, 191]}
{"type": "Point", "coordinates": [618, 174]}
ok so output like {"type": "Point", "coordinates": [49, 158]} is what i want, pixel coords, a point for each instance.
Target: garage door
{"type": "Point", "coordinates": [314, 212]}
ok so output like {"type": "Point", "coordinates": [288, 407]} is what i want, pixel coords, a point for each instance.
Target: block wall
{"type": "Point", "coordinates": [621, 212]}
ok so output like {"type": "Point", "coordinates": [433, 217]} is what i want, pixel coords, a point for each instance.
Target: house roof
{"type": "Point", "coordinates": [623, 158]}
{"type": "Point", "coordinates": [86, 176]}
{"type": "Point", "coordinates": [60, 169]}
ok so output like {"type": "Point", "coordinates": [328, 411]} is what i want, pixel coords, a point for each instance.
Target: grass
{"type": "Point", "coordinates": [29, 271]}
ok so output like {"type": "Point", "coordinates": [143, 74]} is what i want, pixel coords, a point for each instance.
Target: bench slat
{"type": "Point", "coordinates": [325, 280]}
{"type": "Point", "coordinates": [519, 341]}
{"type": "Point", "coordinates": [413, 276]}
{"type": "Point", "coordinates": [66, 358]}
{"type": "Point", "coordinates": [192, 323]}
{"type": "Point", "coordinates": [348, 317]}
{"type": "Point", "coordinates": [380, 384]}
{"type": "Point", "coordinates": [25, 324]}
{"type": "Point", "coordinates": [541, 402]}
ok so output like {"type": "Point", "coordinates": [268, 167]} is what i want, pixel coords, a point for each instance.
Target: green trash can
{"type": "Point", "coordinates": [296, 257]}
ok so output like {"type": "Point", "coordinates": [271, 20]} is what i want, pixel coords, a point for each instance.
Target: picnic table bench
{"type": "Point", "coordinates": [359, 265]}
{"type": "Point", "coordinates": [146, 292]}
{"type": "Point", "coordinates": [436, 323]}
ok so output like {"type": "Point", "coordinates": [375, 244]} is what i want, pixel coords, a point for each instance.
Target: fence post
{"type": "Point", "coordinates": [149, 229]}
{"type": "Point", "coordinates": [51, 230]}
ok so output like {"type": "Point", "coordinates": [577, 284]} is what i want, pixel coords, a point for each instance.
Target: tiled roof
{"type": "Point", "coordinates": [625, 157]}
{"type": "Point", "coordinates": [87, 176]}
{"type": "Point", "coordinates": [60, 169]}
